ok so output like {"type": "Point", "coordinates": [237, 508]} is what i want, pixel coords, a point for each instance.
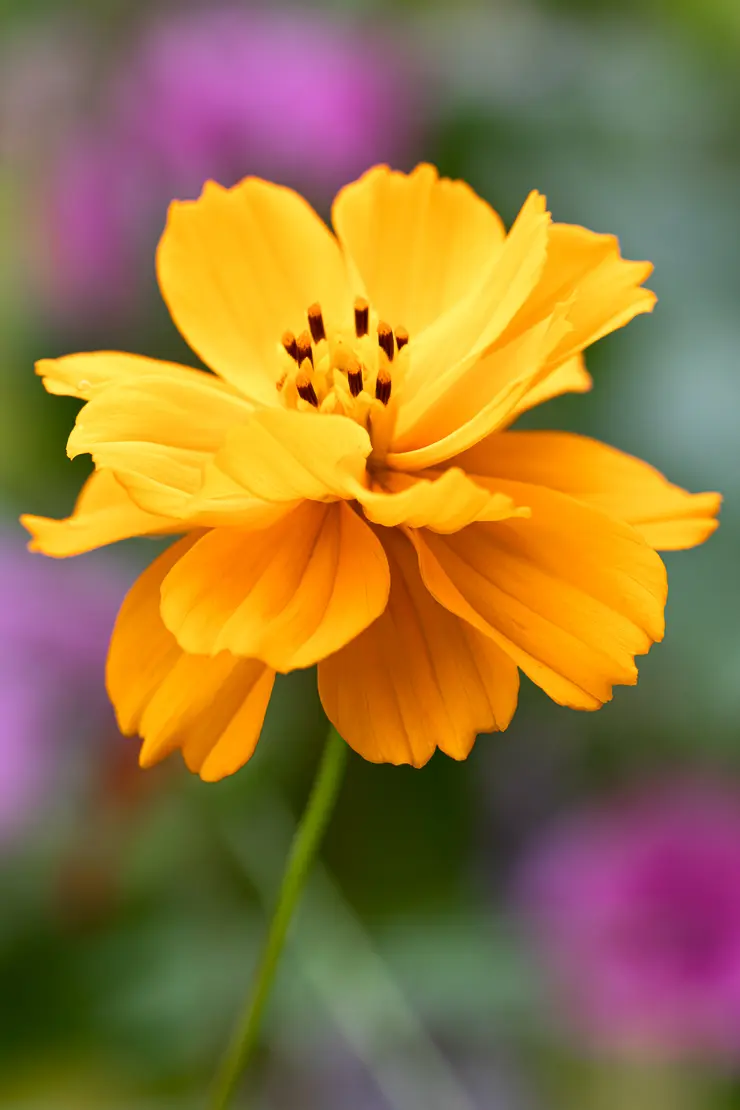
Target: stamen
{"type": "Point", "coordinates": [402, 338]}
{"type": "Point", "coordinates": [290, 344]}
{"type": "Point", "coordinates": [347, 362]}
{"type": "Point", "coordinates": [383, 385]}
{"type": "Point", "coordinates": [280, 382]}
{"type": "Point", "coordinates": [316, 323]}
{"type": "Point", "coordinates": [362, 317]}
{"type": "Point", "coordinates": [385, 339]}
{"type": "Point", "coordinates": [304, 385]}
{"type": "Point", "coordinates": [354, 375]}
{"type": "Point", "coordinates": [305, 350]}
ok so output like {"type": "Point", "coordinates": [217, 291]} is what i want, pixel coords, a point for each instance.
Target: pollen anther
{"type": "Point", "coordinates": [402, 338]}
{"type": "Point", "coordinates": [385, 339]}
{"type": "Point", "coordinates": [362, 317]}
{"type": "Point", "coordinates": [383, 385]}
{"type": "Point", "coordinates": [354, 375]}
{"type": "Point", "coordinates": [305, 350]}
{"type": "Point", "coordinates": [304, 385]}
{"type": "Point", "coordinates": [316, 322]}
{"type": "Point", "coordinates": [290, 344]}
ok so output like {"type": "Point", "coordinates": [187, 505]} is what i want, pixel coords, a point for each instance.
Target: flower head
{"type": "Point", "coordinates": [636, 910]}
{"type": "Point", "coordinates": [348, 489]}
{"type": "Point", "coordinates": [216, 92]}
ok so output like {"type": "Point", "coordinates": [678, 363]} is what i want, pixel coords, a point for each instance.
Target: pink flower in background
{"type": "Point", "coordinates": [636, 915]}
{"type": "Point", "coordinates": [96, 220]}
{"type": "Point", "coordinates": [54, 630]}
{"type": "Point", "coordinates": [215, 93]}
{"type": "Point", "coordinates": [288, 94]}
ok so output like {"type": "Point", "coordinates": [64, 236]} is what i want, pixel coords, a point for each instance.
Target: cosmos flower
{"type": "Point", "coordinates": [348, 490]}
{"type": "Point", "coordinates": [213, 92]}
{"type": "Point", "coordinates": [636, 914]}
{"type": "Point", "coordinates": [54, 628]}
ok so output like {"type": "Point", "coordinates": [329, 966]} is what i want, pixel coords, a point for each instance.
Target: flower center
{"type": "Point", "coordinates": [356, 371]}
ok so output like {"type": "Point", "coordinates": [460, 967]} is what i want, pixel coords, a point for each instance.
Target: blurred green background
{"type": "Point", "coordinates": [131, 903]}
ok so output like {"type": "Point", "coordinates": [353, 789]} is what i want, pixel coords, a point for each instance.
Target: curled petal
{"type": "Point", "coordinates": [444, 502]}
{"type": "Point", "coordinates": [603, 290]}
{"type": "Point", "coordinates": [488, 396]}
{"type": "Point", "coordinates": [283, 455]}
{"type": "Point", "coordinates": [222, 502]}
{"type": "Point", "coordinates": [85, 375]}
{"type": "Point", "coordinates": [104, 513]}
{"type": "Point", "coordinates": [559, 274]}
{"type": "Point", "coordinates": [444, 353]}
{"type": "Point", "coordinates": [570, 377]}
{"type": "Point", "coordinates": [156, 434]}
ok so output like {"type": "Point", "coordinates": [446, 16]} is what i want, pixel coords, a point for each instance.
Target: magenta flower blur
{"type": "Point", "coordinates": [635, 911]}
{"type": "Point", "coordinates": [221, 93]}
{"type": "Point", "coordinates": [54, 629]}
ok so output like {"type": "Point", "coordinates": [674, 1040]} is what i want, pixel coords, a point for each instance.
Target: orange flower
{"type": "Point", "coordinates": [345, 480]}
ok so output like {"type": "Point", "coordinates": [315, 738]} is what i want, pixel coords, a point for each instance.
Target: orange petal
{"type": "Point", "coordinates": [559, 273]}
{"type": "Point", "coordinates": [85, 375]}
{"type": "Point", "coordinates": [211, 708]}
{"type": "Point", "coordinates": [222, 502]}
{"type": "Point", "coordinates": [603, 289]}
{"type": "Point", "coordinates": [239, 266]}
{"type": "Point", "coordinates": [104, 513]}
{"type": "Point", "coordinates": [445, 352]}
{"type": "Point", "coordinates": [667, 517]}
{"type": "Point", "coordinates": [571, 594]}
{"type": "Point", "coordinates": [487, 397]}
{"type": "Point", "coordinates": [418, 678]}
{"type": "Point", "coordinates": [156, 434]}
{"type": "Point", "coordinates": [444, 502]}
{"type": "Point", "coordinates": [416, 244]}
{"type": "Point", "coordinates": [571, 377]}
{"type": "Point", "coordinates": [288, 595]}
{"type": "Point", "coordinates": [283, 455]}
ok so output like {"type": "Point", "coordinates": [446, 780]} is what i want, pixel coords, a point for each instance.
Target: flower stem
{"type": "Point", "coordinates": [305, 844]}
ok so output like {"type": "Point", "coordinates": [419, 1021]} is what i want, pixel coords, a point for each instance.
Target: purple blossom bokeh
{"type": "Point", "coordinates": [55, 623]}
{"type": "Point", "coordinates": [635, 913]}
{"type": "Point", "coordinates": [219, 93]}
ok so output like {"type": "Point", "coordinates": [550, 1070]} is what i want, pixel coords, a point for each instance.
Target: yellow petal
{"type": "Point", "coordinates": [444, 502]}
{"type": "Point", "coordinates": [222, 502]}
{"type": "Point", "coordinates": [666, 516]}
{"type": "Point", "coordinates": [85, 375]}
{"type": "Point", "coordinates": [571, 377]}
{"type": "Point", "coordinates": [571, 594]}
{"type": "Point", "coordinates": [603, 289]}
{"type": "Point", "coordinates": [104, 513]}
{"type": "Point", "coordinates": [288, 595]}
{"type": "Point", "coordinates": [418, 678]}
{"type": "Point", "coordinates": [487, 397]}
{"type": "Point", "coordinates": [416, 244]}
{"type": "Point", "coordinates": [283, 455]}
{"type": "Point", "coordinates": [444, 353]}
{"type": "Point", "coordinates": [237, 267]}
{"type": "Point", "coordinates": [211, 708]}
{"type": "Point", "coordinates": [156, 434]}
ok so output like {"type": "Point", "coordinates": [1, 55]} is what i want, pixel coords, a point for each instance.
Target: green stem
{"type": "Point", "coordinates": [305, 844]}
